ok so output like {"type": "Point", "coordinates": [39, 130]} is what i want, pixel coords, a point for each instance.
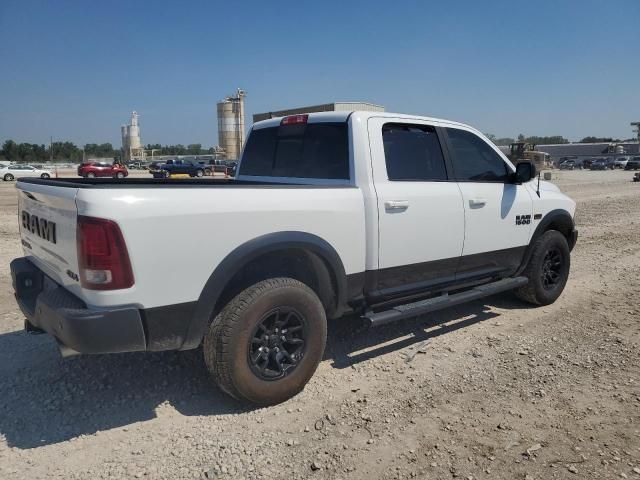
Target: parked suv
{"type": "Point", "coordinates": [601, 164]}
{"type": "Point", "coordinates": [620, 162]}
{"type": "Point", "coordinates": [102, 169]}
{"type": "Point", "coordinates": [633, 164]}
{"type": "Point", "coordinates": [568, 165]}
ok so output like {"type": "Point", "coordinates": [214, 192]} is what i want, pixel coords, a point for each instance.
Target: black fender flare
{"type": "Point", "coordinates": [558, 216]}
{"type": "Point", "coordinates": [242, 256]}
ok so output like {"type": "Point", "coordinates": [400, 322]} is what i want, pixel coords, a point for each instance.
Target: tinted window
{"type": "Point", "coordinates": [412, 152]}
{"type": "Point", "coordinates": [474, 160]}
{"type": "Point", "coordinates": [316, 150]}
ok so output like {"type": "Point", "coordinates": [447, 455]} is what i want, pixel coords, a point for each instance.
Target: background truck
{"type": "Point", "coordinates": [179, 166]}
{"type": "Point", "coordinates": [384, 215]}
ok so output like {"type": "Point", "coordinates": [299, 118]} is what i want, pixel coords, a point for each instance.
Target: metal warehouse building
{"type": "Point", "coordinates": [327, 107]}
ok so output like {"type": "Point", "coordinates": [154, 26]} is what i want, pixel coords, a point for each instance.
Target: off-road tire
{"type": "Point", "coordinates": [535, 292]}
{"type": "Point", "coordinates": [227, 343]}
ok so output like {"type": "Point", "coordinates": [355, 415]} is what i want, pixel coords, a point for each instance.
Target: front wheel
{"type": "Point", "coordinates": [45, 175]}
{"type": "Point", "coordinates": [8, 177]}
{"type": "Point", "coordinates": [119, 175]}
{"type": "Point", "coordinates": [547, 270]}
{"type": "Point", "coordinates": [199, 173]}
{"type": "Point", "coordinates": [91, 175]}
{"type": "Point", "coordinates": [265, 345]}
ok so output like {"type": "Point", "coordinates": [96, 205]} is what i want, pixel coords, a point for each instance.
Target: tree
{"type": "Point", "coordinates": [194, 149]}
{"type": "Point", "coordinates": [10, 150]}
{"type": "Point", "coordinates": [598, 140]}
{"type": "Point", "coordinates": [552, 140]}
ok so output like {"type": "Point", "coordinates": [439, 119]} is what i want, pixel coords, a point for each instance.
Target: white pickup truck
{"type": "Point", "coordinates": [384, 215]}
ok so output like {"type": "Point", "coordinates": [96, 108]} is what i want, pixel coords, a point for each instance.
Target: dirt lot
{"type": "Point", "coordinates": [488, 390]}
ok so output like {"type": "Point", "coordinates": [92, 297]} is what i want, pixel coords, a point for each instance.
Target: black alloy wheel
{"type": "Point", "coordinates": [277, 344]}
{"type": "Point", "coordinates": [547, 269]}
{"type": "Point", "coordinates": [551, 269]}
{"type": "Point", "coordinates": [265, 344]}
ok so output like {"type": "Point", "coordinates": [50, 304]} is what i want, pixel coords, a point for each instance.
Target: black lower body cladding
{"type": "Point", "coordinates": [51, 308]}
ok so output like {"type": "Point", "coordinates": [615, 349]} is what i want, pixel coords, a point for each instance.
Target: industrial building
{"type": "Point", "coordinates": [327, 107]}
{"type": "Point", "coordinates": [231, 124]}
{"type": "Point", "coordinates": [132, 148]}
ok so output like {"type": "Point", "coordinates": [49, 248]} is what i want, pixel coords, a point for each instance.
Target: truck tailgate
{"type": "Point", "coordinates": [47, 216]}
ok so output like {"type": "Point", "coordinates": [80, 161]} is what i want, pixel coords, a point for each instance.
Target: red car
{"type": "Point", "coordinates": [102, 169]}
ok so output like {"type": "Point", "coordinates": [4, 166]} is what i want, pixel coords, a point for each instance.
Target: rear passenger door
{"type": "Point", "coordinates": [498, 212]}
{"type": "Point", "coordinates": [420, 211]}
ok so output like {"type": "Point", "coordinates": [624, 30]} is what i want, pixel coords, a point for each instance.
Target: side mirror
{"type": "Point", "coordinates": [525, 171]}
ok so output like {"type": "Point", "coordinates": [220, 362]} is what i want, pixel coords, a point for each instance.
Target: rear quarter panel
{"type": "Point", "coordinates": [176, 237]}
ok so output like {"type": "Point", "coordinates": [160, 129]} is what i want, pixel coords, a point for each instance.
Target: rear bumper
{"type": "Point", "coordinates": [78, 329]}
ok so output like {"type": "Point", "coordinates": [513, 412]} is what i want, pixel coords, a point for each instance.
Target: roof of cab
{"type": "Point", "coordinates": [319, 117]}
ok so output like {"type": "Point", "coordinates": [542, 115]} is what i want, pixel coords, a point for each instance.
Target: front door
{"type": "Point", "coordinates": [420, 211]}
{"type": "Point", "coordinates": [498, 212]}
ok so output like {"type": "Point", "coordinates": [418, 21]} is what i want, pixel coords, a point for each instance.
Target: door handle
{"type": "Point", "coordinates": [477, 202]}
{"type": "Point", "coordinates": [396, 205]}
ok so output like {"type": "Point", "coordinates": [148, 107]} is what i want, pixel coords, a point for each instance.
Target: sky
{"type": "Point", "coordinates": [75, 70]}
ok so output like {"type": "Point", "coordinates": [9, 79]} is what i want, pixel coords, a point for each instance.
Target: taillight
{"type": "Point", "coordinates": [102, 255]}
{"type": "Point", "coordinates": [294, 120]}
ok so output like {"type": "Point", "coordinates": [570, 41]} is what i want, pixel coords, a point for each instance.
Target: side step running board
{"type": "Point", "coordinates": [437, 303]}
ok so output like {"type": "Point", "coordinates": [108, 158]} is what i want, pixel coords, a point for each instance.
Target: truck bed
{"type": "Point", "coordinates": [80, 182]}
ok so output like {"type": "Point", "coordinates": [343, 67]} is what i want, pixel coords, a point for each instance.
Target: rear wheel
{"type": "Point", "coordinates": [45, 175]}
{"type": "Point", "coordinates": [119, 175]}
{"type": "Point", "coordinates": [199, 173]}
{"type": "Point", "coordinates": [91, 175]}
{"type": "Point", "coordinates": [265, 345]}
{"type": "Point", "coordinates": [547, 270]}
{"type": "Point", "coordinates": [8, 177]}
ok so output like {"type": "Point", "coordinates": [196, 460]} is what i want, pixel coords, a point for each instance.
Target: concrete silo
{"type": "Point", "coordinates": [231, 124]}
{"type": "Point", "coordinates": [131, 142]}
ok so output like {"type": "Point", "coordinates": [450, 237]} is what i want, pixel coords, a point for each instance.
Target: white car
{"type": "Point", "coordinates": [383, 215]}
{"type": "Point", "coordinates": [11, 172]}
{"type": "Point", "coordinates": [620, 162]}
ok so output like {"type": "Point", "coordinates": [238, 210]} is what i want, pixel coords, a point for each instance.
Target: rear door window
{"type": "Point", "coordinates": [315, 150]}
{"type": "Point", "coordinates": [474, 160]}
{"type": "Point", "coordinates": [413, 153]}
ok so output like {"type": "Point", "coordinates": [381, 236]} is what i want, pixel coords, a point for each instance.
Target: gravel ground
{"type": "Point", "coordinates": [494, 389]}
